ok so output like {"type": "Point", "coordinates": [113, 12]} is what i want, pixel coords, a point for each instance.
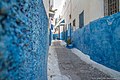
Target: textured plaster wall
{"type": "Point", "coordinates": [93, 9]}
{"type": "Point", "coordinates": [101, 41]}
{"type": "Point", "coordinates": [46, 4]}
{"type": "Point", "coordinates": [119, 5]}
{"type": "Point", "coordinates": [23, 40]}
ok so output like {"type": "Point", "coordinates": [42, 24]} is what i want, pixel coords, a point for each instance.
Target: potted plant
{"type": "Point", "coordinates": [69, 43]}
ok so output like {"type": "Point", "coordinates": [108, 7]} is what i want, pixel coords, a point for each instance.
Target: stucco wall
{"type": "Point", "coordinates": [23, 40]}
{"type": "Point", "coordinates": [96, 9]}
{"type": "Point", "coordinates": [46, 4]}
{"type": "Point", "coordinates": [93, 9]}
{"type": "Point", "coordinates": [101, 41]}
{"type": "Point", "coordinates": [119, 5]}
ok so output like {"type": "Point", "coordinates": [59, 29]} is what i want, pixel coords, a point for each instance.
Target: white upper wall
{"type": "Point", "coordinates": [119, 5]}
{"type": "Point", "coordinates": [46, 5]}
{"type": "Point", "coordinates": [93, 9]}
{"type": "Point", "coordinates": [96, 9]}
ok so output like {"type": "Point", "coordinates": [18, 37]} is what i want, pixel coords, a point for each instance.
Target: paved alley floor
{"type": "Point", "coordinates": [65, 65]}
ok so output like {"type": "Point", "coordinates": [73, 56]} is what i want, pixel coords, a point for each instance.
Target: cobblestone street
{"type": "Point", "coordinates": [71, 67]}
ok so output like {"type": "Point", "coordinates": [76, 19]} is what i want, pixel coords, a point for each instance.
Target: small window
{"type": "Point", "coordinates": [70, 16]}
{"type": "Point", "coordinates": [74, 23]}
{"type": "Point", "coordinates": [81, 20]}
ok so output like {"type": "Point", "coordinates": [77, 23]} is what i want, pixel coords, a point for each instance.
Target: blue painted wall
{"type": "Point", "coordinates": [101, 41]}
{"type": "Point", "coordinates": [66, 35]}
{"type": "Point", "coordinates": [55, 36]}
{"type": "Point", "coordinates": [62, 35]}
{"type": "Point", "coordinates": [50, 34]}
{"type": "Point", "coordinates": [69, 32]}
{"type": "Point", "coordinates": [23, 40]}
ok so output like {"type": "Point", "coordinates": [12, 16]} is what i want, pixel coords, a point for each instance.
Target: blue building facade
{"type": "Point", "coordinates": [23, 40]}
{"type": "Point", "coordinates": [100, 40]}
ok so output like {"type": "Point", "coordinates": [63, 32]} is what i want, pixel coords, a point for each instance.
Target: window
{"type": "Point", "coordinates": [81, 20]}
{"type": "Point", "coordinates": [111, 7]}
{"type": "Point", "coordinates": [74, 23]}
{"type": "Point", "coordinates": [70, 16]}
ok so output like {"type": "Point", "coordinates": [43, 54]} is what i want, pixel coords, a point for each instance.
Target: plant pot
{"type": "Point", "coordinates": [70, 46]}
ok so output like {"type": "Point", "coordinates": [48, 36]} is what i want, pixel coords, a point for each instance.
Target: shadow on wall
{"type": "Point", "coordinates": [23, 40]}
{"type": "Point", "coordinates": [100, 40]}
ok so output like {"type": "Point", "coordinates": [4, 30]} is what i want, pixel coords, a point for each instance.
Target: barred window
{"type": "Point", "coordinates": [111, 7]}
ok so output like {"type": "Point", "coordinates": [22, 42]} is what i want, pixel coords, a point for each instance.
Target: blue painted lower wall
{"type": "Point", "coordinates": [50, 34]}
{"type": "Point", "coordinates": [101, 41]}
{"type": "Point", "coordinates": [23, 40]}
{"type": "Point", "coordinates": [62, 36]}
{"type": "Point", "coordinates": [55, 36]}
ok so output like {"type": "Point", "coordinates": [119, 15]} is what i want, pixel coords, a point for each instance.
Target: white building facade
{"type": "Point", "coordinates": [78, 13]}
{"type": "Point", "coordinates": [46, 5]}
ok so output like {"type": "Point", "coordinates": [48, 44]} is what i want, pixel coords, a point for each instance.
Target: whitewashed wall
{"type": "Point", "coordinates": [96, 9]}
{"type": "Point", "coordinates": [46, 5]}
{"type": "Point", "coordinates": [93, 9]}
{"type": "Point", "coordinates": [119, 5]}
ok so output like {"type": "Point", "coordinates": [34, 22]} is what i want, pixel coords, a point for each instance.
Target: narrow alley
{"type": "Point", "coordinates": [59, 39]}
{"type": "Point", "coordinates": [65, 65]}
